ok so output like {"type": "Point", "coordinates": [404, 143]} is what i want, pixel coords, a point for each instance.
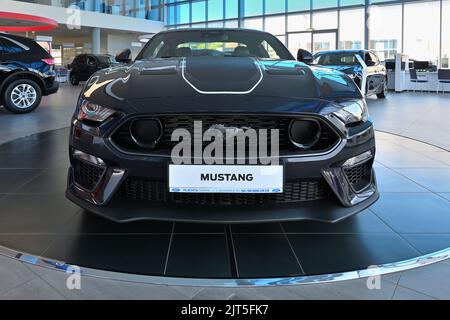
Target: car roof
{"type": "Point", "coordinates": [15, 37]}
{"type": "Point", "coordinates": [212, 29]}
{"type": "Point", "coordinates": [344, 51]}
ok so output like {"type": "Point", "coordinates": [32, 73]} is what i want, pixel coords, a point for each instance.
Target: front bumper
{"type": "Point", "coordinates": [327, 210]}
{"type": "Point", "coordinates": [344, 200]}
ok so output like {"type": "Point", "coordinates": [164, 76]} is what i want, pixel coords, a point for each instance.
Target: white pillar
{"type": "Point", "coordinates": [96, 40]}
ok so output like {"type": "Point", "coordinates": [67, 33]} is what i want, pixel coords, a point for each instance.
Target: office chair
{"type": "Point", "coordinates": [443, 77]}
{"type": "Point", "coordinates": [414, 78]}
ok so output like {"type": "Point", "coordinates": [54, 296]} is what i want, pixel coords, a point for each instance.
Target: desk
{"type": "Point", "coordinates": [430, 86]}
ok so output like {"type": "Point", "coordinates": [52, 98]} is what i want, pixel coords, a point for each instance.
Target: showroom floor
{"type": "Point", "coordinates": [417, 173]}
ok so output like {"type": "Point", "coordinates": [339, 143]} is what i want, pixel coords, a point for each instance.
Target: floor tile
{"type": "Point", "coordinates": [265, 255]}
{"type": "Point", "coordinates": [407, 159]}
{"type": "Point", "coordinates": [103, 289]}
{"type": "Point", "coordinates": [408, 294]}
{"type": "Point", "coordinates": [36, 289]}
{"type": "Point", "coordinates": [414, 213]}
{"type": "Point", "coordinates": [259, 293]}
{"type": "Point", "coordinates": [383, 145]}
{"type": "Point", "coordinates": [46, 146]}
{"type": "Point", "coordinates": [416, 145]}
{"type": "Point", "coordinates": [31, 161]}
{"type": "Point", "coordinates": [443, 156]}
{"type": "Point", "coordinates": [256, 228]}
{"type": "Point", "coordinates": [445, 195]}
{"type": "Point", "coordinates": [31, 214]}
{"type": "Point", "coordinates": [392, 277]}
{"type": "Point", "coordinates": [187, 291]}
{"type": "Point", "coordinates": [13, 273]}
{"type": "Point", "coordinates": [48, 181]}
{"type": "Point", "coordinates": [140, 254]}
{"type": "Point", "coordinates": [428, 243]}
{"type": "Point", "coordinates": [215, 294]}
{"type": "Point", "coordinates": [436, 180]}
{"type": "Point", "coordinates": [38, 270]}
{"type": "Point", "coordinates": [26, 243]}
{"type": "Point", "coordinates": [432, 280]}
{"type": "Point", "coordinates": [345, 290]}
{"type": "Point", "coordinates": [194, 228]}
{"type": "Point", "coordinates": [20, 145]}
{"type": "Point", "coordinates": [323, 254]}
{"type": "Point", "coordinates": [199, 256]}
{"type": "Point", "coordinates": [417, 111]}
{"type": "Point", "coordinates": [12, 179]}
{"type": "Point", "coordinates": [363, 222]}
{"type": "Point", "coordinates": [391, 181]}
{"type": "Point", "coordinates": [266, 293]}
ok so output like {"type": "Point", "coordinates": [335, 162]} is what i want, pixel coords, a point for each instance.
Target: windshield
{"type": "Point", "coordinates": [215, 43]}
{"type": "Point", "coordinates": [336, 59]}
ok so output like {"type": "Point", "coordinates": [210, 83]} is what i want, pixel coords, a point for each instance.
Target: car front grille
{"type": "Point", "coordinates": [123, 140]}
{"type": "Point", "coordinates": [359, 175]}
{"type": "Point", "coordinates": [87, 175]}
{"type": "Point", "coordinates": [158, 191]}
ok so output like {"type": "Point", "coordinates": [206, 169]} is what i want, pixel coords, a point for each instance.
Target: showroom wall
{"type": "Point", "coordinates": [420, 29]}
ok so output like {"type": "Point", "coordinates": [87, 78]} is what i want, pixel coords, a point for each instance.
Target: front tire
{"type": "Point", "coordinates": [74, 79]}
{"type": "Point", "coordinates": [22, 96]}
{"type": "Point", "coordinates": [383, 93]}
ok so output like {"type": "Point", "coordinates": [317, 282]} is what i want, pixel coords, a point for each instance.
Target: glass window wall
{"type": "Point", "coordinates": [414, 27]}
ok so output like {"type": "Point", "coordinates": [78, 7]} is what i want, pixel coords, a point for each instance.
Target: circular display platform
{"type": "Point", "coordinates": [411, 219]}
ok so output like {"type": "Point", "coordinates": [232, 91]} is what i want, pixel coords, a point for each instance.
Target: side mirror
{"type": "Point", "coordinates": [304, 56]}
{"type": "Point", "coordinates": [124, 56]}
{"type": "Point", "coordinates": [370, 63]}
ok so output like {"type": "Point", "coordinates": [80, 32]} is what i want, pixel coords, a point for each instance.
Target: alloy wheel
{"type": "Point", "coordinates": [23, 96]}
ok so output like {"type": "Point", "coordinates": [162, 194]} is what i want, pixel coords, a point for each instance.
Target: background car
{"type": "Point", "coordinates": [26, 73]}
{"type": "Point", "coordinates": [85, 65]}
{"type": "Point", "coordinates": [363, 66]}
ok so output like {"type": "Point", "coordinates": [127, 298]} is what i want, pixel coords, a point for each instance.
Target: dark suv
{"type": "Point", "coordinates": [84, 65]}
{"type": "Point", "coordinates": [26, 73]}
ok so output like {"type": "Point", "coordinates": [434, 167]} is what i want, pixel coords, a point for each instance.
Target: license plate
{"type": "Point", "coordinates": [225, 179]}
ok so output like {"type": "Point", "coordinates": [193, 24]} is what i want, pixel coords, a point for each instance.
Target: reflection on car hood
{"type": "Point", "coordinates": [345, 69]}
{"type": "Point", "coordinates": [218, 79]}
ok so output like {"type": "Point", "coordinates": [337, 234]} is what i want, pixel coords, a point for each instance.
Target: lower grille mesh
{"type": "Point", "coordinates": [157, 191]}
{"type": "Point", "coordinates": [87, 175]}
{"type": "Point", "coordinates": [359, 175]}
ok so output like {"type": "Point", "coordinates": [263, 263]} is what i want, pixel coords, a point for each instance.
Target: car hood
{"type": "Point", "coordinates": [217, 80]}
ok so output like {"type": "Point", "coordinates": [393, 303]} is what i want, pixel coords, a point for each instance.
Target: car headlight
{"type": "Point", "coordinates": [93, 112]}
{"type": "Point", "coordinates": [353, 112]}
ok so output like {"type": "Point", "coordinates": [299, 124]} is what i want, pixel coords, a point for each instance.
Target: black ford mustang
{"type": "Point", "coordinates": [122, 135]}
